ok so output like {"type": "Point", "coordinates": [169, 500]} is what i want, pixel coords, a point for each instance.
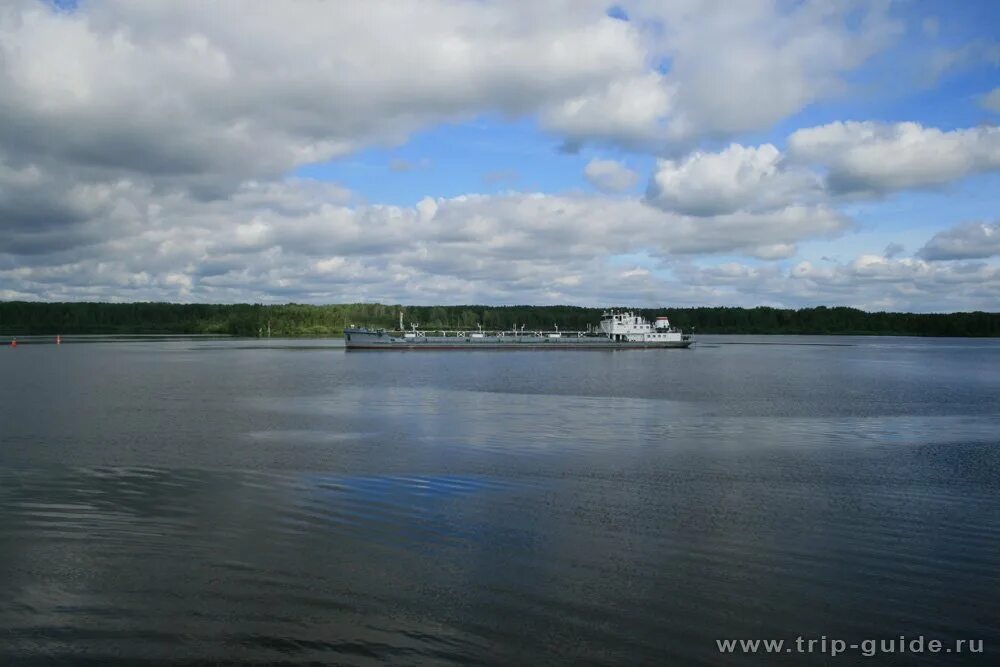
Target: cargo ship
{"type": "Point", "coordinates": [618, 329]}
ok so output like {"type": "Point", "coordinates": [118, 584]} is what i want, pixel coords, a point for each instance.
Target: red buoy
{"type": "Point", "coordinates": [13, 343]}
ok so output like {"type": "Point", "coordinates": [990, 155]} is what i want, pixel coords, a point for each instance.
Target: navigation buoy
{"type": "Point", "coordinates": [13, 343]}
{"type": "Point", "coordinates": [58, 340]}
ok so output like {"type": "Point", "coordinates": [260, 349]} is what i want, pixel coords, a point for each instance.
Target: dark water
{"type": "Point", "coordinates": [281, 501]}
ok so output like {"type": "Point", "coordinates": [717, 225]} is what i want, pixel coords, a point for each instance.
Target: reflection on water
{"type": "Point", "coordinates": [202, 500]}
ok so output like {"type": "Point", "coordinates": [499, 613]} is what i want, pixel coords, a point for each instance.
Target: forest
{"type": "Point", "coordinates": [27, 318]}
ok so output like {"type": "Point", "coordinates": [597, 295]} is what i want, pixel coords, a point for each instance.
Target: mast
{"type": "Point", "coordinates": [401, 319]}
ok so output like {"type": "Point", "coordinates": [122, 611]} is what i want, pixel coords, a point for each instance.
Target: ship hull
{"type": "Point", "coordinates": [358, 339]}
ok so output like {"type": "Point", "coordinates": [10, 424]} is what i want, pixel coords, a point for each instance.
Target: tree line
{"type": "Point", "coordinates": [25, 318]}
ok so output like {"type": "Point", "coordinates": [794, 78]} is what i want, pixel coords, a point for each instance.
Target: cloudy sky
{"type": "Point", "coordinates": [443, 151]}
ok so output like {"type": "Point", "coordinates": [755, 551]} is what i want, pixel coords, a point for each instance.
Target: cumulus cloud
{"type": "Point", "coordinates": [823, 163]}
{"type": "Point", "coordinates": [737, 178]}
{"type": "Point", "coordinates": [610, 176]}
{"type": "Point", "coordinates": [277, 240]}
{"type": "Point", "coordinates": [872, 157]}
{"type": "Point", "coordinates": [307, 241]}
{"type": "Point", "coordinates": [726, 68]}
{"type": "Point", "coordinates": [631, 112]}
{"type": "Point", "coordinates": [974, 240]}
{"type": "Point", "coordinates": [145, 148]}
{"type": "Point", "coordinates": [739, 66]}
{"type": "Point", "coordinates": [878, 282]}
{"type": "Point", "coordinates": [774, 251]}
{"type": "Point", "coordinates": [227, 92]}
{"type": "Point", "coordinates": [217, 93]}
{"type": "Point", "coordinates": [872, 282]}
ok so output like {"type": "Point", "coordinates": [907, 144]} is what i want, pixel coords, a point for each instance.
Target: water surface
{"type": "Point", "coordinates": [287, 501]}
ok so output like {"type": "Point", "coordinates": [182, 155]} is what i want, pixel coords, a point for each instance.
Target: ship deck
{"type": "Point", "coordinates": [368, 340]}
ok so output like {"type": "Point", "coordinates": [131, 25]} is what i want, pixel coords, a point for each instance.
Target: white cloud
{"type": "Point", "coordinates": [630, 111]}
{"type": "Point", "coordinates": [727, 68]}
{"type": "Point", "coordinates": [304, 241]}
{"type": "Point", "coordinates": [872, 158]}
{"type": "Point", "coordinates": [774, 251]}
{"type": "Point", "coordinates": [224, 92]}
{"type": "Point", "coordinates": [974, 240]}
{"type": "Point", "coordinates": [871, 282]}
{"type": "Point", "coordinates": [737, 178]}
{"type": "Point", "coordinates": [858, 158]}
{"type": "Point", "coordinates": [145, 149]}
{"type": "Point", "coordinates": [738, 66]}
{"type": "Point", "coordinates": [212, 94]}
{"type": "Point", "coordinates": [610, 176]}
{"type": "Point", "coordinates": [294, 241]}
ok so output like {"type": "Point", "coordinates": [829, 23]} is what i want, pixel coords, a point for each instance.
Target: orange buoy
{"type": "Point", "coordinates": [13, 343]}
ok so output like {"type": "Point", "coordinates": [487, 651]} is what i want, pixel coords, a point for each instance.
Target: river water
{"type": "Point", "coordinates": [191, 499]}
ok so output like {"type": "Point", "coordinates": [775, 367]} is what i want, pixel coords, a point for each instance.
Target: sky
{"type": "Point", "coordinates": [681, 153]}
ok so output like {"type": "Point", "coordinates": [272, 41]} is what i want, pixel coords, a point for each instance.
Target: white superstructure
{"type": "Point", "coordinates": [625, 325]}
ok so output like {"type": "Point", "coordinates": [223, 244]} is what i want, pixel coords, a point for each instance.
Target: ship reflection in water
{"type": "Point", "coordinates": [287, 502]}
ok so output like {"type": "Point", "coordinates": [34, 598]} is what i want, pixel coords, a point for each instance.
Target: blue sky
{"type": "Point", "coordinates": [560, 152]}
